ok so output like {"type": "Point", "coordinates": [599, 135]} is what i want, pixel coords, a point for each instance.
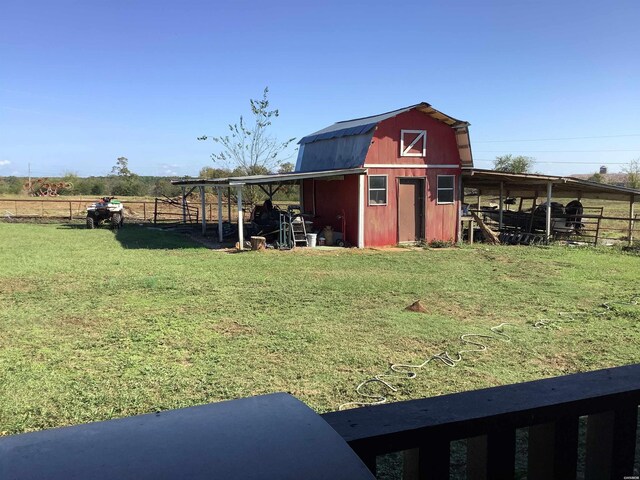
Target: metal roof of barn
{"type": "Point", "coordinates": [267, 179]}
{"type": "Point", "coordinates": [534, 184]}
{"type": "Point", "coordinates": [359, 126]}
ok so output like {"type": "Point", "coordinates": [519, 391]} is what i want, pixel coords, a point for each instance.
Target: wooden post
{"type": "Point", "coordinates": [500, 207]}
{"type": "Point", "coordinates": [429, 460]}
{"type": "Point", "coordinates": [553, 450]}
{"type": "Point", "coordinates": [229, 204]}
{"type": "Point", "coordinates": [491, 456]}
{"type": "Point", "coordinates": [184, 205]}
{"type": "Point", "coordinates": [631, 215]}
{"type": "Point", "coordinates": [70, 211]}
{"type": "Point", "coordinates": [220, 233]}
{"type": "Point", "coordinates": [533, 209]}
{"type": "Point", "coordinates": [204, 209]}
{"type": "Point", "coordinates": [460, 207]}
{"type": "Point", "coordinates": [548, 222]}
{"type": "Point", "coordinates": [240, 219]}
{"type": "Point", "coordinates": [210, 212]}
{"type": "Point", "coordinates": [144, 211]}
{"type": "Point", "coordinates": [155, 212]}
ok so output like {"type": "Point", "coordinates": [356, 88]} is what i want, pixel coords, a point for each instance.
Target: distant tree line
{"type": "Point", "coordinates": [139, 186]}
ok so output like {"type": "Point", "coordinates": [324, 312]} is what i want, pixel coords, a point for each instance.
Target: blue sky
{"type": "Point", "coordinates": [84, 82]}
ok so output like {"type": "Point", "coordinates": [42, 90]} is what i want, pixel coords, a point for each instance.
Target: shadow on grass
{"type": "Point", "coordinates": [135, 236]}
{"type": "Point", "coordinates": [143, 237]}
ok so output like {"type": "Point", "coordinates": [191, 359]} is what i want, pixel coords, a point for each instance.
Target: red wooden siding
{"type": "Point", "coordinates": [441, 141]}
{"type": "Point", "coordinates": [381, 221]}
{"type": "Point", "coordinates": [441, 221]}
{"type": "Point", "coordinates": [331, 197]}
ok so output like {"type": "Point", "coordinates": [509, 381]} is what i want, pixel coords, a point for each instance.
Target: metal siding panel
{"type": "Point", "coordinates": [345, 152]}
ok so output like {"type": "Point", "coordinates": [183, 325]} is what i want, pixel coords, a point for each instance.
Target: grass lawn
{"type": "Point", "coordinates": [95, 325]}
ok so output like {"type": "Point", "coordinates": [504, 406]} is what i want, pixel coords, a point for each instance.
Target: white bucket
{"type": "Point", "coordinates": [311, 239]}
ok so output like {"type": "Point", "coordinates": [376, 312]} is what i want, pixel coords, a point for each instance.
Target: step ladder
{"type": "Point", "coordinates": [297, 230]}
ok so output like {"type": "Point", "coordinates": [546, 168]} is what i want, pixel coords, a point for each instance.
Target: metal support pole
{"type": "Point", "coordinates": [360, 240]}
{"type": "Point", "coordinates": [240, 218]}
{"type": "Point", "coordinates": [501, 206]}
{"type": "Point", "coordinates": [631, 217]}
{"type": "Point", "coordinates": [548, 222]}
{"type": "Point", "coordinates": [203, 208]}
{"type": "Point", "coordinates": [184, 205]}
{"type": "Point", "coordinates": [219, 193]}
{"type": "Point", "coordinates": [460, 206]}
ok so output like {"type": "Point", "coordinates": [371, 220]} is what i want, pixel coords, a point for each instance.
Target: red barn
{"type": "Point", "coordinates": [411, 187]}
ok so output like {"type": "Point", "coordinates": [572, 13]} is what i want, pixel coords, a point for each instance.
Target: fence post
{"type": "Point", "coordinates": [144, 211]}
{"type": "Point", "coordinates": [70, 211]}
{"type": "Point", "coordinates": [155, 212]}
{"type": "Point", "coordinates": [631, 215]}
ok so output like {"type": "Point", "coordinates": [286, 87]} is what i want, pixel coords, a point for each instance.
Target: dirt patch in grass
{"type": "Point", "coordinates": [557, 363]}
{"type": "Point", "coordinates": [233, 328]}
{"type": "Point", "coordinates": [17, 285]}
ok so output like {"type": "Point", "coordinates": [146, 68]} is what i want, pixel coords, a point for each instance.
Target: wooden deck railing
{"type": "Point", "coordinates": [488, 419]}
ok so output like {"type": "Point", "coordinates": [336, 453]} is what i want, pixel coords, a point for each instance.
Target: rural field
{"type": "Point", "coordinates": [96, 325]}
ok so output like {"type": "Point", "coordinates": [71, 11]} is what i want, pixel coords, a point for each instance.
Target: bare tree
{"type": "Point", "coordinates": [249, 148]}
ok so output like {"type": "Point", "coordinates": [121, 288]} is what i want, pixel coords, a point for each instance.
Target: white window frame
{"type": "Point", "coordinates": [386, 190]}
{"type": "Point", "coordinates": [405, 151]}
{"type": "Point", "coordinates": [453, 190]}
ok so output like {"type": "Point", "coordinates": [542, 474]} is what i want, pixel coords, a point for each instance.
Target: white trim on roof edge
{"type": "Point", "coordinates": [406, 165]}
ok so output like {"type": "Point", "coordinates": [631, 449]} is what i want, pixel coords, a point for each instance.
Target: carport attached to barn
{"type": "Point", "coordinates": [533, 186]}
{"type": "Point", "coordinates": [268, 183]}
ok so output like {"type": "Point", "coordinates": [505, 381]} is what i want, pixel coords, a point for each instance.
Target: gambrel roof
{"type": "Point", "coordinates": [349, 140]}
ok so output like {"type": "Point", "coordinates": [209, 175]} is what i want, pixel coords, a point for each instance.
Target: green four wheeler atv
{"type": "Point", "coordinates": [106, 210]}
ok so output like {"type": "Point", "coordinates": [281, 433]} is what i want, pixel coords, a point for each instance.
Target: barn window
{"type": "Point", "coordinates": [413, 143]}
{"type": "Point", "coordinates": [377, 189]}
{"type": "Point", "coordinates": [445, 188]}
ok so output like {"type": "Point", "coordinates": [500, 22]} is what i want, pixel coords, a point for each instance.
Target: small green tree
{"type": "Point", "coordinates": [286, 167]}
{"type": "Point", "coordinates": [164, 187]}
{"type": "Point", "coordinates": [596, 178]}
{"type": "Point", "coordinates": [211, 172]}
{"type": "Point", "coordinates": [126, 182]}
{"type": "Point", "coordinates": [121, 168]}
{"type": "Point", "coordinates": [71, 181]}
{"type": "Point", "coordinates": [513, 164]}
{"type": "Point", "coordinates": [633, 173]}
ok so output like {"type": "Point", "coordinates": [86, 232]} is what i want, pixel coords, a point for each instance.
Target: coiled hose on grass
{"type": "Point", "coordinates": [407, 371]}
